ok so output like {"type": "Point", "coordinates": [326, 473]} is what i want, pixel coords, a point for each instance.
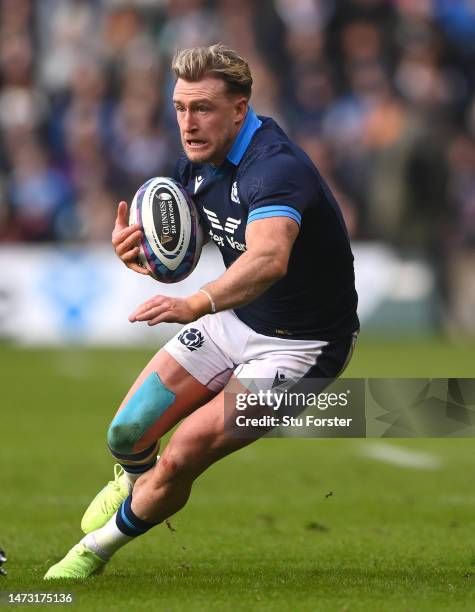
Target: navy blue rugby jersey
{"type": "Point", "coordinates": [266, 175]}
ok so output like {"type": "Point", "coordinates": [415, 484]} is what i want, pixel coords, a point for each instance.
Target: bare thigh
{"type": "Point", "coordinates": [205, 436]}
{"type": "Point", "coordinates": [190, 394]}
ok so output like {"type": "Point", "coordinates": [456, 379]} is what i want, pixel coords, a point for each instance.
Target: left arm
{"type": "Point", "coordinates": [269, 244]}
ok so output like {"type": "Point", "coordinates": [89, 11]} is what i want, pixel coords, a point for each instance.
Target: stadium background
{"type": "Point", "coordinates": [381, 95]}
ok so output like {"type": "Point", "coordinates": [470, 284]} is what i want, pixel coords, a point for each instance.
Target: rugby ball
{"type": "Point", "coordinates": [172, 236]}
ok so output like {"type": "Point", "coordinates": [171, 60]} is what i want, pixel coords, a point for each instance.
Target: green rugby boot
{"type": "Point", "coordinates": [107, 501]}
{"type": "Point", "coordinates": [78, 564]}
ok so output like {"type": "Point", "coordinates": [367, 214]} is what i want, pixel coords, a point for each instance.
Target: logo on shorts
{"type": "Point", "coordinates": [279, 379]}
{"type": "Point", "coordinates": [192, 338]}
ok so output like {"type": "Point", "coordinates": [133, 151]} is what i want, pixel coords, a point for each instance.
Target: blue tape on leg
{"type": "Point", "coordinates": [142, 410]}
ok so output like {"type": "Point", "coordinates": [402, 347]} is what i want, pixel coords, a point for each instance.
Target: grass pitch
{"type": "Point", "coordinates": [282, 525]}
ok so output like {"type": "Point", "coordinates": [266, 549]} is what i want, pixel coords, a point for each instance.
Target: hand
{"type": "Point", "coordinates": [126, 240]}
{"type": "Point", "coordinates": [162, 309]}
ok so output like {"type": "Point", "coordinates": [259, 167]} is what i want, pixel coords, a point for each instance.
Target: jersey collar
{"type": "Point", "coordinates": [245, 134]}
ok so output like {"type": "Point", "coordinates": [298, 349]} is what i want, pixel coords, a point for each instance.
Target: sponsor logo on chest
{"type": "Point", "coordinates": [230, 226]}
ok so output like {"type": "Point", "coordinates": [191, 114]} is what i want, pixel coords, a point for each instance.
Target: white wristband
{"type": "Point", "coordinates": [213, 305]}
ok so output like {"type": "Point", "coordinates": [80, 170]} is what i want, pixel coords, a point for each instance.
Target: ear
{"type": "Point", "coordinates": [240, 109]}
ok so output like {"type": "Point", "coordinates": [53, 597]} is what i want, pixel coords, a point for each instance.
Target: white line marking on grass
{"type": "Point", "coordinates": [395, 455]}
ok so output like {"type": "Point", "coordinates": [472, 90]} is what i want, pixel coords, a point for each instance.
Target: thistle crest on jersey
{"type": "Point", "coordinates": [172, 236]}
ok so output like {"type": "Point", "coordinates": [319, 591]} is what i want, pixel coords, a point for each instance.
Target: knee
{"type": "Point", "coordinates": [121, 437]}
{"type": "Point", "coordinates": [141, 412]}
{"type": "Point", "coordinates": [185, 458]}
{"type": "Point", "coordinates": [175, 466]}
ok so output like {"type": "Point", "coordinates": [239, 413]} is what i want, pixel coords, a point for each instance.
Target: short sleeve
{"type": "Point", "coordinates": [279, 185]}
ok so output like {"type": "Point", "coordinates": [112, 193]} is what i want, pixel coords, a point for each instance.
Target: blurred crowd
{"type": "Point", "coordinates": [380, 93]}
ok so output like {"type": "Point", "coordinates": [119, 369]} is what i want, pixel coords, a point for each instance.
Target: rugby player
{"type": "Point", "coordinates": [284, 308]}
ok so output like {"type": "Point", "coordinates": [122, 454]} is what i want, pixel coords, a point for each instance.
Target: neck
{"type": "Point", "coordinates": [237, 129]}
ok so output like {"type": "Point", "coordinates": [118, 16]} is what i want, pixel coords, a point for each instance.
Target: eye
{"type": "Point", "coordinates": [202, 108]}
{"type": "Point", "coordinates": [179, 108]}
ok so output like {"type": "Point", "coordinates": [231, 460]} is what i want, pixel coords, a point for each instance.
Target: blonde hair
{"type": "Point", "coordinates": [217, 61]}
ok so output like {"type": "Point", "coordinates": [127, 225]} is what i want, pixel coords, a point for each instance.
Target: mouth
{"type": "Point", "coordinates": [196, 143]}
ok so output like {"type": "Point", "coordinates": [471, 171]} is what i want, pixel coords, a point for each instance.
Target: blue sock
{"type": "Point", "coordinates": [130, 524]}
{"type": "Point", "coordinates": [137, 463]}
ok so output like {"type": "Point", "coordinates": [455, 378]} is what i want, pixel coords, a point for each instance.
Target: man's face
{"type": "Point", "coordinates": [208, 117]}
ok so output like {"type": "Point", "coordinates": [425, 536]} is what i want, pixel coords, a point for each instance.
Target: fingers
{"type": "Point", "coordinates": [165, 317]}
{"type": "Point", "coordinates": [151, 309]}
{"type": "Point", "coordinates": [143, 308]}
{"type": "Point", "coordinates": [122, 229]}
{"type": "Point", "coordinates": [121, 219]}
{"type": "Point", "coordinates": [119, 235]}
{"type": "Point", "coordinates": [130, 242]}
{"type": "Point", "coordinates": [138, 268]}
{"type": "Point", "coordinates": [140, 313]}
{"type": "Point", "coordinates": [126, 240]}
{"type": "Point", "coordinates": [130, 257]}
{"type": "Point", "coordinates": [162, 309]}
{"type": "Point", "coordinates": [162, 315]}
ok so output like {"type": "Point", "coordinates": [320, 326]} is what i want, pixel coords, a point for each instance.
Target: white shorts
{"type": "Point", "coordinates": [217, 346]}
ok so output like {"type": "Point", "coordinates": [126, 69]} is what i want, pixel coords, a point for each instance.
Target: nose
{"type": "Point", "coordinates": [188, 121]}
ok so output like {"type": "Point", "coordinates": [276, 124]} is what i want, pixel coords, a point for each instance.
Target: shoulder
{"type": "Point", "coordinates": [272, 153]}
{"type": "Point", "coordinates": [276, 178]}
{"type": "Point", "coordinates": [278, 170]}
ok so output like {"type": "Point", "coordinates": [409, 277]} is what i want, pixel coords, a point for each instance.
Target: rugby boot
{"type": "Point", "coordinates": [107, 501]}
{"type": "Point", "coordinates": [78, 564]}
